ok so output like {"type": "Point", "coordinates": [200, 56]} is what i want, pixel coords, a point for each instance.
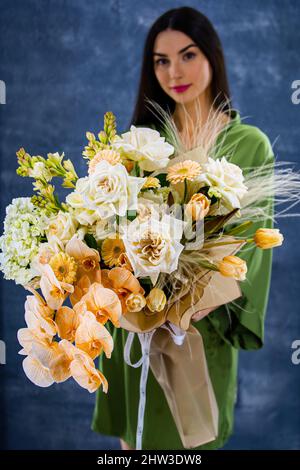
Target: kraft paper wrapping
{"type": "Point", "coordinates": [181, 370]}
{"type": "Point", "coordinates": [182, 373]}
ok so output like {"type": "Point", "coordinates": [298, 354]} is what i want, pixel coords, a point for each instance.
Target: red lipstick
{"type": "Point", "coordinates": [180, 88]}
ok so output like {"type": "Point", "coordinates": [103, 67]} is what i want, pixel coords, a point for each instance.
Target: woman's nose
{"type": "Point", "coordinates": [175, 71]}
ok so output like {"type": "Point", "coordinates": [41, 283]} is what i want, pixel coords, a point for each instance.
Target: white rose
{"type": "Point", "coordinates": [225, 179]}
{"type": "Point", "coordinates": [82, 215]}
{"type": "Point", "coordinates": [154, 246]}
{"type": "Point", "coordinates": [147, 209]}
{"type": "Point", "coordinates": [109, 190]}
{"type": "Point", "coordinates": [105, 228]}
{"type": "Point", "coordinates": [63, 226]}
{"type": "Point", "coordinates": [145, 146]}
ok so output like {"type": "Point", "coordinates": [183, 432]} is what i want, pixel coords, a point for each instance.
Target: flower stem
{"type": "Point", "coordinates": [185, 191]}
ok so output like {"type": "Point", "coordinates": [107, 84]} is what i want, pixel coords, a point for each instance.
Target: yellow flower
{"type": "Point", "coordinates": [64, 267]}
{"type": "Point", "coordinates": [156, 300]}
{"type": "Point", "coordinates": [198, 206]}
{"type": "Point", "coordinates": [135, 302]}
{"type": "Point", "coordinates": [187, 170]}
{"type": "Point", "coordinates": [268, 238]}
{"type": "Point", "coordinates": [111, 156]}
{"type": "Point", "coordinates": [233, 266]}
{"type": "Point", "coordinates": [111, 250]}
{"type": "Point", "coordinates": [124, 262]}
{"type": "Point", "coordinates": [151, 183]}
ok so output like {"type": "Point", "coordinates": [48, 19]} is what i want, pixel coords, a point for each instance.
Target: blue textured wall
{"type": "Point", "coordinates": [64, 64]}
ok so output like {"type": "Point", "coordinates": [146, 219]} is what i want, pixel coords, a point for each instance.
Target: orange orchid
{"type": "Point", "coordinates": [87, 258]}
{"type": "Point", "coordinates": [102, 302]}
{"type": "Point", "coordinates": [35, 365]}
{"type": "Point", "coordinates": [124, 283]}
{"type": "Point", "coordinates": [92, 337]}
{"type": "Point", "coordinates": [82, 368]}
{"type": "Point", "coordinates": [67, 321]}
{"type": "Point", "coordinates": [54, 291]}
{"type": "Point", "coordinates": [84, 283]}
{"type": "Point", "coordinates": [39, 318]}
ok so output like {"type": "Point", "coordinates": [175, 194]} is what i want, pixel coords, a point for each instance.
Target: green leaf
{"type": "Point", "coordinates": [162, 177]}
{"type": "Point", "coordinates": [213, 226]}
{"type": "Point", "coordinates": [145, 280]}
{"type": "Point", "coordinates": [239, 228]}
{"type": "Point", "coordinates": [90, 241]}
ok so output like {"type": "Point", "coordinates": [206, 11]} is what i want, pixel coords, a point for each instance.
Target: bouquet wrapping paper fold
{"type": "Point", "coordinates": [181, 371]}
{"type": "Point", "coordinates": [174, 350]}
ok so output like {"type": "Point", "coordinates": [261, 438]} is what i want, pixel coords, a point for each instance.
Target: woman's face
{"type": "Point", "coordinates": [179, 61]}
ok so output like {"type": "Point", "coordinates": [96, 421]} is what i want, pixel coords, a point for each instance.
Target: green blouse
{"type": "Point", "coordinates": [224, 331]}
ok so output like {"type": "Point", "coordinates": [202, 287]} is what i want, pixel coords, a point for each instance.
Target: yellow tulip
{"type": "Point", "coordinates": [135, 302]}
{"type": "Point", "coordinates": [198, 206]}
{"type": "Point", "coordinates": [266, 238]}
{"type": "Point", "coordinates": [233, 266]}
{"type": "Point", "coordinates": [156, 300]}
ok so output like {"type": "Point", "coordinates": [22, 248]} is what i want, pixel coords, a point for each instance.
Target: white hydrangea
{"type": "Point", "coordinates": [24, 225]}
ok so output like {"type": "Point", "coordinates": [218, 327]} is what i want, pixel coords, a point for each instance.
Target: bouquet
{"type": "Point", "coordinates": [148, 236]}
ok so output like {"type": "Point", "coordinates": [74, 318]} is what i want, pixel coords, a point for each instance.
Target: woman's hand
{"type": "Point", "coordinates": [202, 313]}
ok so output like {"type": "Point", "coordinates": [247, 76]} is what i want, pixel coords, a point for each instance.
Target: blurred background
{"type": "Point", "coordinates": [65, 63]}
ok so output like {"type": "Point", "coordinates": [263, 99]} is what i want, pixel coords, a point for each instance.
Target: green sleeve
{"type": "Point", "coordinates": [241, 322]}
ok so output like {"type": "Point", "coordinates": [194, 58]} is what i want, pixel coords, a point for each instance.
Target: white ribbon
{"type": "Point", "coordinates": [178, 336]}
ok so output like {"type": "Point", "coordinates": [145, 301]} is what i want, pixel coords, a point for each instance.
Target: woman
{"type": "Point", "coordinates": [182, 48]}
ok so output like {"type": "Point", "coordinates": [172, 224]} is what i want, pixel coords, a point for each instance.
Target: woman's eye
{"type": "Point", "coordinates": [188, 56]}
{"type": "Point", "coordinates": [158, 62]}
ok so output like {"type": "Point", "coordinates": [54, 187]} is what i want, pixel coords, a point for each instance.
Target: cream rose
{"type": "Point", "coordinates": [62, 226]}
{"type": "Point", "coordinates": [154, 246]}
{"type": "Point", "coordinates": [226, 181]}
{"type": "Point", "coordinates": [145, 146]}
{"type": "Point", "coordinates": [107, 191]}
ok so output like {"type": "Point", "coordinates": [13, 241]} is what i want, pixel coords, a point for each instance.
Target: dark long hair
{"type": "Point", "coordinates": [198, 27]}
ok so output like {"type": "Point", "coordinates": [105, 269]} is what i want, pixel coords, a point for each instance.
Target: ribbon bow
{"type": "Point", "coordinates": [178, 336]}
